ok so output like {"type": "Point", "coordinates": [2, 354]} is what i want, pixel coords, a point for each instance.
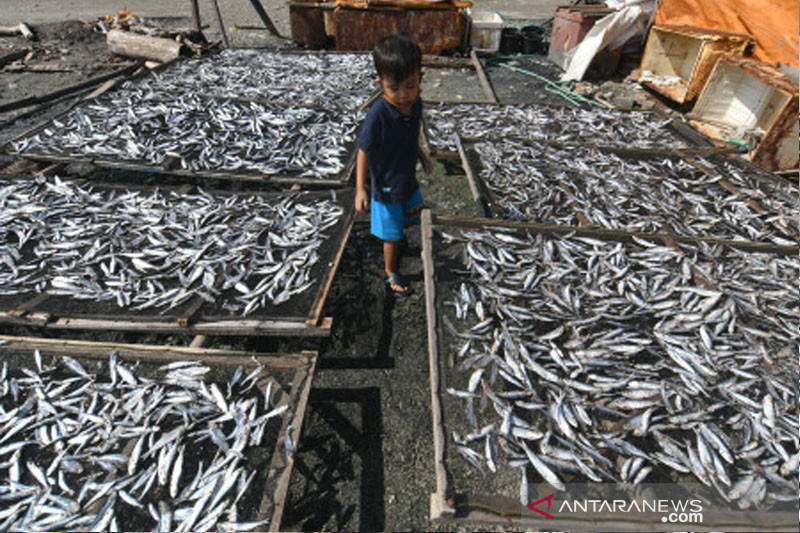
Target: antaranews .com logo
{"type": "Point", "coordinates": [672, 511]}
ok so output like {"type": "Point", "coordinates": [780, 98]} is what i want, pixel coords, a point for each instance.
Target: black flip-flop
{"type": "Point", "coordinates": [399, 281]}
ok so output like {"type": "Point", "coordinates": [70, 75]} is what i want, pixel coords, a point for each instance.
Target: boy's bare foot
{"type": "Point", "coordinates": [397, 284]}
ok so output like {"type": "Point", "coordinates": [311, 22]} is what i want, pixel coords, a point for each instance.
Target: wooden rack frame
{"type": "Point", "coordinates": [166, 168]}
{"type": "Point", "coordinates": [298, 367]}
{"type": "Point", "coordinates": [191, 320]}
{"type": "Point", "coordinates": [484, 198]}
{"type": "Point", "coordinates": [452, 504]}
{"type": "Point", "coordinates": [694, 139]}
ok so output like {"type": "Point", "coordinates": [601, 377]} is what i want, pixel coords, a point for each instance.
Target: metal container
{"type": "Point", "coordinates": [437, 27]}
{"type": "Point", "coordinates": [570, 26]}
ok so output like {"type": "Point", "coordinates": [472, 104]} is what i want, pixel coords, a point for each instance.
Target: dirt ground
{"type": "Point", "coordinates": [365, 460]}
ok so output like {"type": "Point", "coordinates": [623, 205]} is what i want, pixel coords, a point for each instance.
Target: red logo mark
{"type": "Point", "coordinates": [549, 499]}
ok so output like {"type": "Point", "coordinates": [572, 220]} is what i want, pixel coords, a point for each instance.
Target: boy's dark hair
{"type": "Point", "coordinates": [397, 55]}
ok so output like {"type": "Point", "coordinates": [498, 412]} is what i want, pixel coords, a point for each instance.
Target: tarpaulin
{"type": "Point", "coordinates": [773, 23]}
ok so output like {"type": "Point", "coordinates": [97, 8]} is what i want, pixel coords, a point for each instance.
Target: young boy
{"type": "Point", "coordinates": [388, 149]}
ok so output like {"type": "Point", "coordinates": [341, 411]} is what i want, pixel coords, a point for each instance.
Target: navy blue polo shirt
{"type": "Point", "coordinates": [391, 139]}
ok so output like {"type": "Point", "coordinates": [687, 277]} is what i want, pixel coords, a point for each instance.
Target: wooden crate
{"type": "Point", "coordinates": [295, 371]}
{"type": "Point", "coordinates": [681, 58]}
{"type": "Point", "coordinates": [744, 96]}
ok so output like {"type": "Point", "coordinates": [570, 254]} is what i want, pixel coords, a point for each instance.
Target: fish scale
{"type": "Point", "coordinates": [583, 358]}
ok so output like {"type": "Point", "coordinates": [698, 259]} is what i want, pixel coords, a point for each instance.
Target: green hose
{"type": "Point", "coordinates": [553, 87]}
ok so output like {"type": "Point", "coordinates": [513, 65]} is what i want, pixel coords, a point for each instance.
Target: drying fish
{"type": "Point", "coordinates": [569, 125]}
{"type": "Point", "coordinates": [619, 367]}
{"type": "Point", "coordinates": [190, 132]}
{"type": "Point", "coordinates": [159, 250]}
{"type": "Point", "coordinates": [579, 185]}
{"type": "Point", "coordinates": [129, 461]}
{"type": "Point", "coordinates": [329, 81]}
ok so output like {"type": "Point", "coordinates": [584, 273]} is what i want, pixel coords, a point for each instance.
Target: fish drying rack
{"type": "Point", "coordinates": [463, 502]}
{"type": "Point", "coordinates": [171, 165]}
{"type": "Point", "coordinates": [488, 206]}
{"type": "Point", "coordinates": [291, 376]}
{"type": "Point", "coordinates": [196, 316]}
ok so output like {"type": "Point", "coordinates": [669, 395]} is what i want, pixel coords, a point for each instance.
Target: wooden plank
{"type": "Point", "coordinates": [221, 24]}
{"type": "Point", "coordinates": [622, 151]}
{"type": "Point", "coordinates": [13, 56]}
{"type": "Point", "coordinates": [25, 307]}
{"type": "Point", "coordinates": [200, 341]}
{"type": "Point", "coordinates": [439, 438]}
{"type": "Point", "coordinates": [322, 294]}
{"type": "Point", "coordinates": [219, 327]}
{"type": "Point", "coordinates": [483, 208]}
{"type": "Point", "coordinates": [145, 352]}
{"type": "Point", "coordinates": [147, 169]}
{"type": "Point", "coordinates": [301, 388]}
{"type": "Point", "coordinates": [487, 87]}
{"type": "Point", "coordinates": [33, 100]}
{"type": "Point", "coordinates": [612, 235]}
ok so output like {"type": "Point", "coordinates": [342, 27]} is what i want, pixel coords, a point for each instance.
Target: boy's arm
{"type": "Point", "coordinates": [362, 198]}
{"type": "Point", "coordinates": [427, 165]}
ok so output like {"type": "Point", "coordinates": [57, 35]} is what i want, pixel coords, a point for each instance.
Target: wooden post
{"type": "Point", "coordinates": [221, 24]}
{"type": "Point", "coordinates": [483, 209]}
{"type": "Point", "coordinates": [487, 87]}
{"type": "Point", "coordinates": [129, 44]}
{"type": "Point", "coordinates": [439, 438]}
{"type": "Point", "coordinates": [265, 18]}
{"type": "Point", "coordinates": [196, 16]}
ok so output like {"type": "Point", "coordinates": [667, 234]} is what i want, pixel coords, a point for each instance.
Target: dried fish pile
{"type": "Point", "coordinates": [121, 452]}
{"type": "Point", "coordinates": [158, 250]}
{"type": "Point", "coordinates": [564, 125]}
{"type": "Point", "coordinates": [191, 132]}
{"type": "Point", "coordinates": [579, 359]}
{"type": "Point", "coordinates": [538, 182]}
{"type": "Point", "coordinates": [331, 81]}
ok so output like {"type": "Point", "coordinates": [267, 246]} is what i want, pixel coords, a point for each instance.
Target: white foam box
{"type": "Point", "coordinates": [486, 28]}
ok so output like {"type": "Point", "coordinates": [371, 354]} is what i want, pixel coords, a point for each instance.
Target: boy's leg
{"type": "Point", "coordinates": [387, 225]}
{"type": "Point", "coordinates": [391, 256]}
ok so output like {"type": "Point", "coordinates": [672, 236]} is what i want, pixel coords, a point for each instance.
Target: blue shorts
{"type": "Point", "coordinates": [388, 220]}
